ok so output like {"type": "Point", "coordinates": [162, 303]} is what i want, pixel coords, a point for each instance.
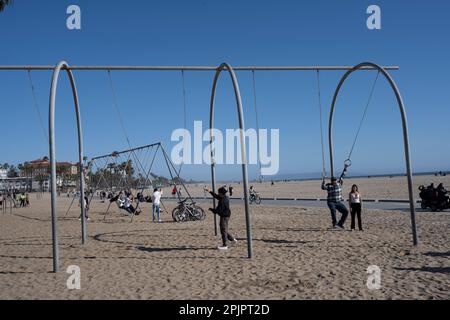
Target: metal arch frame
{"type": "Point", "coordinates": [60, 66]}
{"type": "Point", "coordinates": [401, 105]}
{"type": "Point", "coordinates": [226, 66]}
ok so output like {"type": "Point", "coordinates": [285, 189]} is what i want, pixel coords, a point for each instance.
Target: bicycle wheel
{"type": "Point", "coordinates": [184, 215]}
{"type": "Point", "coordinates": [258, 200]}
{"type": "Point", "coordinates": [176, 214]}
{"type": "Point", "coordinates": [199, 213]}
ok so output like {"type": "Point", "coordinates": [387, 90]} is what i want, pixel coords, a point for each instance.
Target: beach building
{"type": "Point", "coordinates": [3, 173]}
{"type": "Point", "coordinates": [39, 173]}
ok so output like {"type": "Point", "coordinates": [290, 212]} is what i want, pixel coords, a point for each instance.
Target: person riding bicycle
{"type": "Point", "coordinates": [252, 192]}
{"type": "Point", "coordinates": [253, 196]}
{"type": "Point", "coordinates": [224, 212]}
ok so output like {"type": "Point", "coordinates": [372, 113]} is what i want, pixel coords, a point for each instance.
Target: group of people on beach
{"type": "Point", "coordinates": [440, 193]}
{"type": "Point", "coordinates": [125, 201]}
{"type": "Point", "coordinates": [21, 200]}
{"type": "Point", "coordinates": [335, 201]}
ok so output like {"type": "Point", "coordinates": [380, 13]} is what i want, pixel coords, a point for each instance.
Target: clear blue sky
{"type": "Point", "coordinates": [414, 36]}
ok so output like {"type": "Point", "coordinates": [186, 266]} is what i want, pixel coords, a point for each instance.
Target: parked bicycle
{"type": "Point", "coordinates": [188, 211]}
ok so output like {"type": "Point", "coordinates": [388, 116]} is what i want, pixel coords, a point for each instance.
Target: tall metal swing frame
{"type": "Point", "coordinates": [174, 174]}
{"type": "Point", "coordinates": [218, 70]}
{"type": "Point", "coordinates": [406, 145]}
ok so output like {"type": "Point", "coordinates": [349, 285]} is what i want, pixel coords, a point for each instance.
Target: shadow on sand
{"type": "Point", "coordinates": [427, 269]}
{"type": "Point", "coordinates": [148, 249]}
{"type": "Point", "coordinates": [437, 254]}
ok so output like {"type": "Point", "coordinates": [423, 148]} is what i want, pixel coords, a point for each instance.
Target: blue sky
{"type": "Point", "coordinates": [414, 36]}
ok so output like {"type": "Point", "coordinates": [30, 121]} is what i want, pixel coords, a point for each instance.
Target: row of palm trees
{"type": "Point", "coordinates": [118, 175]}
{"type": "Point", "coordinates": [12, 171]}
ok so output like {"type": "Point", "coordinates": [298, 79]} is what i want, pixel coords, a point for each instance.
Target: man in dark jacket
{"type": "Point", "coordinates": [224, 212]}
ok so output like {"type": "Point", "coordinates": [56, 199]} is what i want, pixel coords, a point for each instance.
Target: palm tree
{"type": "Point", "coordinates": [21, 168]}
{"type": "Point", "coordinates": [12, 172]}
{"type": "Point", "coordinates": [4, 3]}
{"type": "Point", "coordinates": [41, 179]}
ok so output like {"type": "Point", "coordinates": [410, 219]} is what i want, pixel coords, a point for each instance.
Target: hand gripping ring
{"type": "Point", "coordinates": [348, 163]}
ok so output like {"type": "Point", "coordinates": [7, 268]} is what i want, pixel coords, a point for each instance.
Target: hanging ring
{"type": "Point", "coordinates": [348, 163]}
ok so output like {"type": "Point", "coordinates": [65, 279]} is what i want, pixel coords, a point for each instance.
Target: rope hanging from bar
{"type": "Point", "coordinates": [348, 162]}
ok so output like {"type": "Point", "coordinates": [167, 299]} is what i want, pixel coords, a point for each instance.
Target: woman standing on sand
{"type": "Point", "coordinates": [224, 212]}
{"type": "Point", "coordinates": [355, 202]}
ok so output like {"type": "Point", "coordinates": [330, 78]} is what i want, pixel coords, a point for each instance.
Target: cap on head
{"type": "Point", "coordinates": [223, 191]}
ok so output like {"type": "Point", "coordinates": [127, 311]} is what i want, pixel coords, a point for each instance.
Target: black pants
{"type": "Point", "coordinates": [224, 230]}
{"type": "Point", "coordinates": [131, 209]}
{"type": "Point", "coordinates": [356, 212]}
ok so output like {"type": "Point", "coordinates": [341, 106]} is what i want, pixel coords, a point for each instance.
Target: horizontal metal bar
{"type": "Point", "coordinates": [194, 68]}
{"type": "Point", "coordinates": [127, 151]}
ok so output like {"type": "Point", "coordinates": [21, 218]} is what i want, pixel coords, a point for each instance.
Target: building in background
{"type": "Point", "coordinates": [38, 171]}
{"type": "Point", "coordinates": [3, 173]}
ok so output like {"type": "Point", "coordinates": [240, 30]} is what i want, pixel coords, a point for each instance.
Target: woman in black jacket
{"type": "Point", "coordinates": [224, 212]}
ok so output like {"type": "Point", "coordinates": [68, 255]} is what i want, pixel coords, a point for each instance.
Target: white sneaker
{"type": "Point", "coordinates": [222, 248]}
{"type": "Point", "coordinates": [235, 241]}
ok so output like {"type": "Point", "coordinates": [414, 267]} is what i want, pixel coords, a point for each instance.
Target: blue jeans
{"type": "Point", "coordinates": [338, 206]}
{"type": "Point", "coordinates": [156, 212]}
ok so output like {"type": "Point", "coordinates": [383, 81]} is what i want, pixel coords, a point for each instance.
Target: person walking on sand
{"type": "Point", "coordinates": [355, 202]}
{"type": "Point", "coordinates": [174, 191]}
{"type": "Point", "coordinates": [22, 200]}
{"type": "Point", "coordinates": [86, 208]}
{"type": "Point", "coordinates": [224, 212]}
{"type": "Point", "coordinates": [156, 200]}
{"type": "Point", "coordinates": [334, 201]}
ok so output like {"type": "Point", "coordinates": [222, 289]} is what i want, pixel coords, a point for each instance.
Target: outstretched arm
{"type": "Point", "coordinates": [214, 195]}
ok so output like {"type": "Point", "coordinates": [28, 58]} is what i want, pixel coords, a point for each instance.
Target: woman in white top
{"type": "Point", "coordinates": [355, 201]}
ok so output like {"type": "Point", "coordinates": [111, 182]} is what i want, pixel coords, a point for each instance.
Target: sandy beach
{"type": "Point", "coordinates": [371, 188]}
{"type": "Point", "coordinates": [296, 255]}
